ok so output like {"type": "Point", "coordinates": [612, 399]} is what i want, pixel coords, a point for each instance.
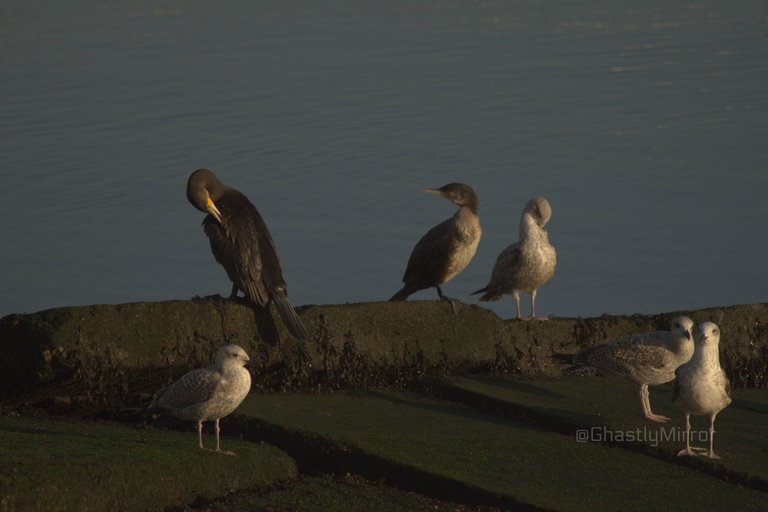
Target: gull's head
{"type": "Point", "coordinates": [709, 334]}
{"type": "Point", "coordinates": [230, 356]}
{"type": "Point", "coordinates": [538, 208]}
{"type": "Point", "coordinates": [683, 326]}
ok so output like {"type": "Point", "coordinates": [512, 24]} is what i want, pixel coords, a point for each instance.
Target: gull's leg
{"type": "Point", "coordinates": [712, 454]}
{"type": "Point", "coordinates": [687, 451]}
{"type": "Point", "coordinates": [644, 396]}
{"type": "Point", "coordinates": [200, 434]}
{"type": "Point", "coordinates": [218, 444]}
{"type": "Point", "coordinates": [516, 295]}
{"type": "Point", "coordinates": [533, 308]}
{"type": "Point", "coordinates": [454, 303]}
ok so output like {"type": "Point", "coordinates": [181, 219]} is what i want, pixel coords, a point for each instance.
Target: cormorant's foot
{"type": "Point", "coordinates": [656, 417]}
{"type": "Point", "coordinates": [686, 452]}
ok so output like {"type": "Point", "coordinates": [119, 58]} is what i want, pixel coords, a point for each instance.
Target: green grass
{"type": "Point", "coordinates": [523, 461]}
{"type": "Point", "coordinates": [51, 465]}
{"type": "Point", "coordinates": [741, 437]}
{"type": "Point", "coordinates": [323, 494]}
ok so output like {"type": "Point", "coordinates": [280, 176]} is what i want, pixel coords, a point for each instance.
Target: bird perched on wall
{"type": "Point", "coordinates": [447, 248]}
{"type": "Point", "coordinates": [241, 243]}
{"type": "Point", "coordinates": [207, 394]}
{"type": "Point", "coordinates": [701, 387]}
{"type": "Point", "coordinates": [648, 359]}
{"type": "Point", "coordinates": [527, 264]}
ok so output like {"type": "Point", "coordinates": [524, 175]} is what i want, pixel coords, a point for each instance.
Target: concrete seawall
{"type": "Point", "coordinates": [106, 354]}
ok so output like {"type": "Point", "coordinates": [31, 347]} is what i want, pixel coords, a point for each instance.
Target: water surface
{"type": "Point", "coordinates": [643, 124]}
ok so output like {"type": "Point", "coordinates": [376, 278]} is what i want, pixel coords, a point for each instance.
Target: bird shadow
{"type": "Point", "coordinates": [265, 325]}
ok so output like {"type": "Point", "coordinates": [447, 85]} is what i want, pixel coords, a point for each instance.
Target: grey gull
{"type": "Point", "coordinates": [526, 265]}
{"type": "Point", "coordinates": [207, 393]}
{"type": "Point", "coordinates": [648, 359]}
{"type": "Point", "coordinates": [447, 248]}
{"type": "Point", "coordinates": [701, 387]}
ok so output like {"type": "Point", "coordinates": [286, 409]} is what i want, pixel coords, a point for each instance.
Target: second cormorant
{"type": "Point", "coordinates": [241, 243]}
{"type": "Point", "coordinates": [447, 248]}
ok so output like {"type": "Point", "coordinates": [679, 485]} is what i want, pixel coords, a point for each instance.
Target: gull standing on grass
{"type": "Point", "coordinates": [701, 387]}
{"type": "Point", "coordinates": [526, 265]}
{"type": "Point", "coordinates": [207, 394]}
{"type": "Point", "coordinates": [648, 359]}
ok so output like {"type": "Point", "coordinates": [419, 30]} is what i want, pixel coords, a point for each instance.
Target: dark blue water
{"type": "Point", "coordinates": [644, 124]}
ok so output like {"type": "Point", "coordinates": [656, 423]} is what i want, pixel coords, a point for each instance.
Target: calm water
{"type": "Point", "coordinates": [645, 124]}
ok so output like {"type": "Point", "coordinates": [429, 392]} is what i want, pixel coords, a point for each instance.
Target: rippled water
{"type": "Point", "coordinates": [644, 124]}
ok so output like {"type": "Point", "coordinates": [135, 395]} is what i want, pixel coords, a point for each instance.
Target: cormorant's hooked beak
{"type": "Point", "coordinates": [432, 191]}
{"type": "Point", "coordinates": [210, 207]}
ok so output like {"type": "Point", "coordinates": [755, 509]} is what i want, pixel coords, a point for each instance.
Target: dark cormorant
{"type": "Point", "coordinates": [447, 248]}
{"type": "Point", "coordinates": [241, 243]}
{"type": "Point", "coordinates": [527, 264]}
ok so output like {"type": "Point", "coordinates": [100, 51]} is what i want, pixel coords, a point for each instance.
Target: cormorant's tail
{"type": "Point", "coordinates": [481, 290]}
{"type": "Point", "coordinates": [288, 314]}
{"type": "Point", "coordinates": [402, 294]}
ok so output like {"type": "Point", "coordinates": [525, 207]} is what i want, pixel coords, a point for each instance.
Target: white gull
{"type": "Point", "coordinates": [207, 394]}
{"type": "Point", "coordinates": [701, 387]}
{"type": "Point", "coordinates": [649, 358]}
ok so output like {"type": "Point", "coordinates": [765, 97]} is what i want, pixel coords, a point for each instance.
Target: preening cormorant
{"type": "Point", "coordinates": [527, 264]}
{"type": "Point", "coordinates": [447, 248]}
{"type": "Point", "coordinates": [241, 243]}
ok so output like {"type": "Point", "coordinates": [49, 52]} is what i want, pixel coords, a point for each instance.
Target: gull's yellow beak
{"type": "Point", "coordinates": [210, 207]}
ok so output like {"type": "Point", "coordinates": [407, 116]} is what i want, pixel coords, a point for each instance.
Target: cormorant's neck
{"type": "Point", "coordinates": [470, 204]}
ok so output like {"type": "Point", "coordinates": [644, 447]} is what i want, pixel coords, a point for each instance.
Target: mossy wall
{"type": "Point", "coordinates": [110, 352]}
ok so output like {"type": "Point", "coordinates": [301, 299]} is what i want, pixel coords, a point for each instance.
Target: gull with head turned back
{"type": "Point", "coordinates": [527, 264]}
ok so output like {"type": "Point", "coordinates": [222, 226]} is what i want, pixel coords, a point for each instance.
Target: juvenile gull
{"type": "Point", "coordinates": [447, 248]}
{"type": "Point", "coordinates": [648, 359]}
{"type": "Point", "coordinates": [241, 243]}
{"type": "Point", "coordinates": [207, 394]}
{"type": "Point", "coordinates": [701, 387]}
{"type": "Point", "coordinates": [527, 264]}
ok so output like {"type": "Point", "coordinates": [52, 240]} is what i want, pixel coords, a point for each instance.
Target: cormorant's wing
{"type": "Point", "coordinates": [430, 257]}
